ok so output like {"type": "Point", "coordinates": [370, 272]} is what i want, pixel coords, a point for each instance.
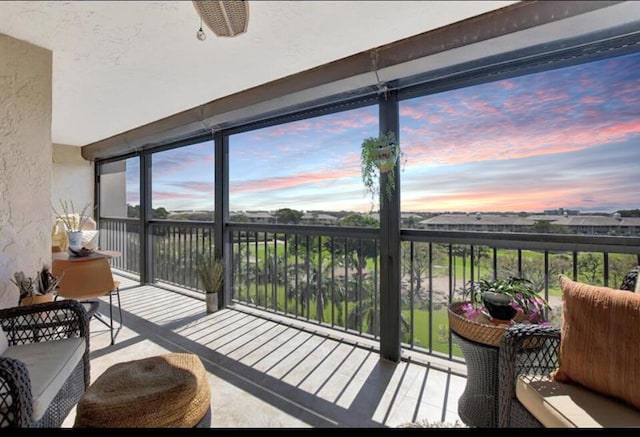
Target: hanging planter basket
{"type": "Point", "coordinates": [379, 155]}
{"type": "Point", "coordinates": [384, 158]}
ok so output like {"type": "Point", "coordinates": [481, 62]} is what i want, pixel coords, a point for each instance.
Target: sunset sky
{"type": "Point", "coordinates": [564, 138]}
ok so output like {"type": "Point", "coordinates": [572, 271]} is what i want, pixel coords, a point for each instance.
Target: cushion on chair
{"type": "Point", "coordinates": [559, 405]}
{"type": "Point", "coordinates": [599, 340]}
{"type": "Point", "coordinates": [630, 281]}
{"type": "Point", "coordinates": [4, 343]}
{"type": "Point", "coordinates": [50, 363]}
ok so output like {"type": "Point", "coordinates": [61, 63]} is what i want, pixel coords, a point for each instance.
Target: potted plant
{"type": "Point", "coordinates": [38, 290]}
{"type": "Point", "coordinates": [210, 270]}
{"type": "Point", "coordinates": [504, 298]}
{"type": "Point", "coordinates": [379, 155]}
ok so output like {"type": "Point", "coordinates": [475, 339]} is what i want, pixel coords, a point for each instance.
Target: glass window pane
{"type": "Point", "coordinates": [120, 188]}
{"type": "Point", "coordinates": [540, 147]}
{"type": "Point", "coordinates": [310, 166]}
{"type": "Point", "coordinates": [183, 183]}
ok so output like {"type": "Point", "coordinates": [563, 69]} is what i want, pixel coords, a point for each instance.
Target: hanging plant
{"type": "Point", "coordinates": [379, 155]}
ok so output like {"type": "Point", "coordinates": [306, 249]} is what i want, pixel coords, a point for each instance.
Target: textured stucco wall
{"type": "Point", "coordinates": [25, 162]}
{"type": "Point", "coordinates": [72, 177]}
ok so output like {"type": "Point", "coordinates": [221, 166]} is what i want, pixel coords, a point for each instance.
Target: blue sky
{"type": "Point", "coordinates": [564, 138]}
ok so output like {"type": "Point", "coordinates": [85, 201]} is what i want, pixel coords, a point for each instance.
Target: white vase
{"type": "Point", "coordinates": [75, 239]}
{"type": "Point", "coordinates": [212, 302]}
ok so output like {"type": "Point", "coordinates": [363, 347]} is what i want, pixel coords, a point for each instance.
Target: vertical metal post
{"type": "Point", "coordinates": [96, 194]}
{"type": "Point", "coordinates": [390, 302]}
{"type": "Point", "coordinates": [222, 236]}
{"type": "Point", "coordinates": [146, 241]}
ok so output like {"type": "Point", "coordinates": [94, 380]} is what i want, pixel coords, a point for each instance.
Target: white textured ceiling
{"type": "Point", "coordinates": [118, 65]}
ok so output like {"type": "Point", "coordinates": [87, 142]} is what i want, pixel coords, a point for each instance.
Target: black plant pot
{"type": "Point", "coordinates": [499, 306]}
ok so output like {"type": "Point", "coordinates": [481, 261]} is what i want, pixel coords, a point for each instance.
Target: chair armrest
{"type": "Point", "coordinates": [525, 349]}
{"type": "Point", "coordinates": [44, 321]}
{"type": "Point", "coordinates": [16, 408]}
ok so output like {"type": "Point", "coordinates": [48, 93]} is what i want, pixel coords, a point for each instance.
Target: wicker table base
{"type": "Point", "coordinates": [478, 404]}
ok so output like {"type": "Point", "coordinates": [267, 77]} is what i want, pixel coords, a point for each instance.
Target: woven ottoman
{"type": "Point", "coordinates": [166, 391]}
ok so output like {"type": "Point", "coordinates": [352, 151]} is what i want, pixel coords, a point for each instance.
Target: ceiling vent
{"type": "Point", "coordinates": [224, 18]}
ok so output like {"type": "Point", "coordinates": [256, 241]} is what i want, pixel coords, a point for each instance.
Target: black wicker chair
{"type": "Point", "coordinates": [36, 324]}
{"type": "Point", "coordinates": [525, 349]}
{"type": "Point", "coordinates": [630, 281]}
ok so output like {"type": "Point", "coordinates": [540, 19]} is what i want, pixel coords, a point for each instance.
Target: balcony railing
{"type": "Point", "coordinates": [327, 275]}
{"type": "Point", "coordinates": [176, 249]}
{"type": "Point", "coordinates": [122, 235]}
{"type": "Point", "coordinates": [330, 275]}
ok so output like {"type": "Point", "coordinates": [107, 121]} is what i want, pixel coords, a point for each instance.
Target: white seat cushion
{"type": "Point", "coordinates": [50, 363]}
{"type": "Point", "coordinates": [565, 405]}
{"type": "Point", "coordinates": [4, 343]}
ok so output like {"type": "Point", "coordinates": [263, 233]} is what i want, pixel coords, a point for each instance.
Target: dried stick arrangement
{"type": "Point", "coordinates": [67, 212]}
{"type": "Point", "coordinates": [44, 283]}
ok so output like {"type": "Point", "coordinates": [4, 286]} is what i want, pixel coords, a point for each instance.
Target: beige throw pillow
{"type": "Point", "coordinates": [90, 240]}
{"type": "Point", "coordinates": [600, 338]}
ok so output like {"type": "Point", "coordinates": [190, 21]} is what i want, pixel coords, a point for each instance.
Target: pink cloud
{"type": "Point", "coordinates": [295, 180]}
{"type": "Point", "coordinates": [349, 123]}
{"type": "Point", "coordinates": [592, 100]}
{"type": "Point", "coordinates": [434, 119]}
{"type": "Point", "coordinates": [506, 84]}
{"type": "Point", "coordinates": [411, 112]}
{"type": "Point", "coordinates": [204, 187]}
{"type": "Point", "coordinates": [333, 123]}
{"type": "Point", "coordinates": [629, 89]}
{"type": "Point", "coordinates": [133, 197]}
{"type": "Point", "coordinates": [505, 140]}
{"type": "Point", "coordinates": [481, 106]}
{"type": "Point", "coordinates": [290, 128]}
{"type": "Point", "coordinates": [517, 199]}
{"type": "Point", "coordinates": [173, 161]}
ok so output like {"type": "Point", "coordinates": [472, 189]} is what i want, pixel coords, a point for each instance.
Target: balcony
{"type": "Point", "coordinates": [323, 325]}
{"type": "Point", "coordinates": [285, 342]}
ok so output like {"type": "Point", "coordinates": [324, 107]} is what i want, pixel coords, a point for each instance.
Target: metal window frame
{"type": "Point", "coordinates": [594, 47]}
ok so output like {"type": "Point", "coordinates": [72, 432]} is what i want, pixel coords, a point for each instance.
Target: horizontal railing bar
{"type": "Point", "coordinates": [120, 219]}
{"type": "Point", "coordinates": [181, 223]}
{"type": "Point", "coordinates": [503, 240]}
{"type": "Point", "coordinates": [526, 241]}
{"type": "Point", "coordinates": [324, 231]}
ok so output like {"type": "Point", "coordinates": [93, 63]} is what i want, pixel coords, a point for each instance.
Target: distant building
{"type": "Point", "coordinates": [561, 212]}
{"type": "Point", "coordinates": [477, 222]}
{"type": "Point", "coordinates": [260, 217]}
{"type": "Point", "coordinates": [577, 224]}
{"type": "Point", "coordinates": [601, 225]}
{"type": "Point", "coordinates": [410, 219]}
{"type": "Point", "coordinates": [319, 219]}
